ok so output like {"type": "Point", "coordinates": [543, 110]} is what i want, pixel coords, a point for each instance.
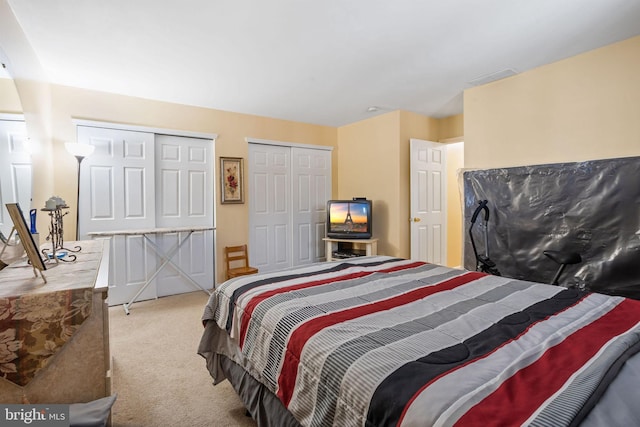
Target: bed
{"type": "Point", "coordinates": [384, 341]}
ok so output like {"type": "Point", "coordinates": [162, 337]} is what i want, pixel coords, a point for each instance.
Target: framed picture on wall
{"type": "Point", "coordinates": [231, 180]}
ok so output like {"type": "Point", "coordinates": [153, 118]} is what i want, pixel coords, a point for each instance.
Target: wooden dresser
{"type": "Point", "coordinates": [54, 336]}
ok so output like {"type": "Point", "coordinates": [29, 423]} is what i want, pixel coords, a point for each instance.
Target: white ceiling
{"type": "Point", "coordinates": [324, 62]}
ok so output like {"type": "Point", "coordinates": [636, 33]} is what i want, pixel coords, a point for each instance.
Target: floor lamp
{"type": "Point", "coordinates": [79, 151]}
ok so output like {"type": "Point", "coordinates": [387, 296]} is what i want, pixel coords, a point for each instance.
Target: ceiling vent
{"type": "Point", "coordinates": [488, 78]}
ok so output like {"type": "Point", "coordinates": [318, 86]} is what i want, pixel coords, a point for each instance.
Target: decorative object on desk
{"type": "Point", "coordinates": [33, 230]}
{"type": "Point", "coordinates": [79, 151]}
{"type": "Point", "coordinates": [20, 225]}
{"type": "Point", "coordinates": [32, 218]}
{"type": "Point", "coordinates": [231, 180]}
{"type": "Point", "coordinates": [60, 255]}
{"type": "Point", "coordinates": [54, 206]}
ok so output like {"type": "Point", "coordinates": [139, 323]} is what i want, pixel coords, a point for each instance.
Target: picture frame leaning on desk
{"type": "Point", "coordinates": [20, 225]}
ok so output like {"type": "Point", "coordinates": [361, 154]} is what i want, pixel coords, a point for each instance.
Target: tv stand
{"type": "Point", "coordinates": [349, 248]}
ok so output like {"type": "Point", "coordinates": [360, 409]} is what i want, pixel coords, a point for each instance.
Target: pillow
{"type": "Point", "coordinates": [91, 414]}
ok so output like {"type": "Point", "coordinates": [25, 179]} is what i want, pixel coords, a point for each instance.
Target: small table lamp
{"type": "Point", "coordinates": [79, 151]}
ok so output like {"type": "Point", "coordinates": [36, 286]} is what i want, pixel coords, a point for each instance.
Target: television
{"type": "Point", "coordinates": [349, 219]}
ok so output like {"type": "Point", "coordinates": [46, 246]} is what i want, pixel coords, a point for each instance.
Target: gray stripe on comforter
{"type": "Point", "coordinates": [292, 320]}
{"type": "Point", "coordinates": [343, 357]}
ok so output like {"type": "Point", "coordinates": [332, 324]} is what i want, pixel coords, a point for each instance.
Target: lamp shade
{"type": "Point", "coordinates": [79, 150]}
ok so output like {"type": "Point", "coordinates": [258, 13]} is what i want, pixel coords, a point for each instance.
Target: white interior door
{"type": "Point", "coordinates": [311, 180]}
{"type": "Point", "coordinates": [15, 171]}
{"type": "Point", "coordinates": [428, 201]}
{"type": "Point", "coordinates": [269, 206]}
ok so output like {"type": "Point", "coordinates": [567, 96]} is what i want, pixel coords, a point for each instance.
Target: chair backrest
{"type": "Point", "coordinates": [236, 255]}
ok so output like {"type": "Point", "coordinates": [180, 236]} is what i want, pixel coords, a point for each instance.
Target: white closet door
{"type": "Point", "coordinates": [117, 182]}
{"type": "Point", "coordinates": [138, 181]}
{"type": "Point", "coordinates": [311, 180]}
{"type": "Point", "coordinates": [117, 192]}
{"type": "Point", "coordinates": [184, 197]}
{"type": "Point", "coordinates": [270, 207]}
{"type": "Point", "coordinates": [288, 187]}
{"type": "Point", "coordinates": [15, 171]}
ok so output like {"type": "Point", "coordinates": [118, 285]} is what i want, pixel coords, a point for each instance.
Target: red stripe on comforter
{"type": "Point", "coordinates": [522, 394]}
{"type": "Point", "coordinates": [298, 339]}
{"type": "Point", "coordinates": [251, 305]}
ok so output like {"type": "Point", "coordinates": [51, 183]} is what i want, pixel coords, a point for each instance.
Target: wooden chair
{"type": "Point", "coordinates": [238, 255]}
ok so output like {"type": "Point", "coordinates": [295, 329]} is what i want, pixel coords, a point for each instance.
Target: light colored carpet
{"type": "Point", "coordinates": [158, 375]}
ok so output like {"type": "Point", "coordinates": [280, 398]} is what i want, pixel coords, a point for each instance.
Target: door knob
{"type": "Point", "coordinates": [416, 219]}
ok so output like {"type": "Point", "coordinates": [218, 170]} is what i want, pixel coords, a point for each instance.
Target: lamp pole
{"type": "Point", "coordinates": [79, 151]}
{"type": "Point", "coordinates": [79, 158]}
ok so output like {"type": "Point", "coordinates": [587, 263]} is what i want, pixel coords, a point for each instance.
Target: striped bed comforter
{"type": "Point", "coordinates": [380, 341]}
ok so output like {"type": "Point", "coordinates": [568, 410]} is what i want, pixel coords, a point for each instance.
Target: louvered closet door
{"type": "Point", "coordinates": [184, 197]}
{"type": "Point", "coordinates": [117, 192]}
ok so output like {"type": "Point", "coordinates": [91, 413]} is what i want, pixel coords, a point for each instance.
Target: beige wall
{"type": "Point", "coordinates": [452, 133]}
{"type": "Point", "coordinates": [455, 226]}
{"type": "Point", "coordinates": [418, 127]}
{"type": "Point", "coordinates": [368, 167]}
{"type": "Point", "coordinates": [451, 127]}
{"type": "Point", "coordinates": [9, 99]}
{"type": "Point", "coordinates": [374, 162]}
{"type": "Point", "coordinates": [582, 108]}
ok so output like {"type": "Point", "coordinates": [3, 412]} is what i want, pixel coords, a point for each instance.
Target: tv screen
{"type": "Point", "coordinates": [349, 219]}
